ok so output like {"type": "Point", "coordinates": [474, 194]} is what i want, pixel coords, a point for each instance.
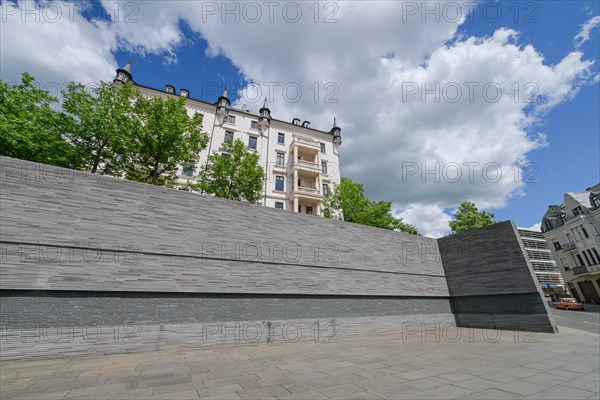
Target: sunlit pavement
{"type": "Point", "coordinates": [453, 363]}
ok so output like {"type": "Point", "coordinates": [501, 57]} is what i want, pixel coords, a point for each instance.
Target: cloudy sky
{"type": "Point", "coordinates": [439, 102]}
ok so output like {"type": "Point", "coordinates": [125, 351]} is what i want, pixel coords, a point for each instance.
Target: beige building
{"type": "Point", "coordinates": [301, 163]}
{"type": "Point", "coordinates": [572, 230]}
{"type": "Point", "coordinates": [544, 266]}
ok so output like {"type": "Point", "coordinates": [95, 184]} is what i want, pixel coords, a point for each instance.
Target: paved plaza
{"type": "Point", "coordinates": [454, 363]}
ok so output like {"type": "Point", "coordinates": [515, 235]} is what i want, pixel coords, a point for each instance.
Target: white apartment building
{"type": "Point", "coordinates": [301, 163]}
{"type": "Point", "coordinates": [544, 266]}
{"type": "Point", "coordinates": [573, 231]}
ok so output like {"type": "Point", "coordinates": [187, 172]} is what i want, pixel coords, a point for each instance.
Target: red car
{"type": "Point", "coordinates": [569, 303]}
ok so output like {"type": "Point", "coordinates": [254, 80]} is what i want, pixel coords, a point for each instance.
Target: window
{"type": "Point", "coordinates": [323, 148]}
{"type": "Point", "coordinates": [591, 256]}
{"type": "Point", "coordinates": [309, 210]}
{"type": "Point", "coordinates": [279, 183]}
{"type": "Point", "coordinates": [231, 119]}
{"type": "Point", "coordinates": [279, 205]}
{"type": "Point", "coordinates": [281, 159]}
{"type": "Point", "coordinates": [254, 125]}
{"type": "Point", "coordinates": [596, 254]}
{"type": "Point", "coordinates": [585, 232]}
{"type": "Point", "coordinates": [188, 169]}
{"type": "Point", "coordinates": [325, 189]}
{"type": "Point", "coordinates": [228, 137]}
{"type": "Point", "coordinates": [587, 258]}
{"type": "Point", "coordinates": [324, 167]}
{"type": "Point", "coordinates": [280, 138]}
{"type": "Point", "coordinates": [568, 236]}
{"type": "Point", "coordinates": [556, 245]}
{"type": "Point", "coordinates": [252, 142]}
{"type": "Point", "coordinates": [578, 210]}
{"type": "Point", "coordinates": [595, 200]}
{"type": "Point", "coordinates": [580, 259]}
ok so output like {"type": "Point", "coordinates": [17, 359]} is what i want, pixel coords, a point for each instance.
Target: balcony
{"type": "Point", "coordinates": [568, 247]}
{"type": "Point", "coordinates": [580, 269]}
{"type": "Point", "coordinates": [306, 142]}
{"type": "Point", "coordinates": [308, 191]}
{"type": "Point", "coordinates": [309, 166]}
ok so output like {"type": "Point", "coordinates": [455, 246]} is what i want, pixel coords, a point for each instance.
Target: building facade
{"type": "Point", "coordinates": [572, 230]}
{"type": "Point", "coordinates": [301, 163]}
{"type": "Point", "coordinates": [540, 256]}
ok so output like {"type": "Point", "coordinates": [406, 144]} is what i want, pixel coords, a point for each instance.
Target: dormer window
{"type": "Point", "coordinates": [578, 210]}
{"type": "Point", "coordinates": [306, 124]}
{"type": "Point", "coordinates": [170, 89]}
{"type": "Point", "coordinates": [595, 200]}
{"type": "Point", "coordinates": [296, 121]}
{"type": "Point", "coordinates": [122, 77]}
{"type": "Point", "coordinates": [184, 93]}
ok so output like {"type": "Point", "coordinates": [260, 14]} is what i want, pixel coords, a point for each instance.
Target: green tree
{"type": "Point", "coordinates": [235, 174]}
{"type": "Point", "coordinates": [349, 198]}
{"type": "Point", "coordinates": [30, 129]}
{"type": "Point", "coordinates": [163, 136]}
{"type": "Point", "coordinates": [102, 123]}
{"type": "Point", "coordinates": [468, 217]}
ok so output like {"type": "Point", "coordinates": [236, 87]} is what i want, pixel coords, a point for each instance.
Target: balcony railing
{"type": "Point", "coordinates": [580, 269]}
{"type": "Point", "coordinates": [306, 142]}
{"type": "Point", "coordinates": [568, 247]}
{"type": "Point", "coordinates": [307, 165]}
{"type": "Point", "coordinates": [307, 189]}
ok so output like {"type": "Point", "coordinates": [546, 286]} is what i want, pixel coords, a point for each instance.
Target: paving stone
{"type": "Point", "coordinates": [358, 396]}
{"type": "Point", "coordinates": [207, 392]}
{"type": "Point", "coordinates": [341, 390]}
{"type": "Point", "coordinates": [181, 387]}
{"type": "Point", "coordinates": [427, 383]}
{"type": "Point", "coordinates": [501, 377]}
{"type": "Point", "coordinates": [456, 376]}
{"type": "Point", "coordinates": [179, 395]}
{"type": "Point", "coordinates": [476, 384]}
{"type": "Point", "coordinates": [492, 394]}
{"type": "Point", "coordinates": [522, 388]}
{"type": "Point", "coordinates": [262, 393]}
{"type": "Point", "coordinates": [310, 394]}
{"type": "Point", "coordinates": [560, 392]}
{"type": "Point", "coordinates": [445, 392]}
{"type": "Point", "coordinates": [544, 379]}
{"type": "Point", "coordinates": [377, 382]}
{"type": "Point", "coordinates": [399, 391]}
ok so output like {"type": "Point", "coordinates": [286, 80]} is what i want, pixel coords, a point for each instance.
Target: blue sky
{"type": "Point", "coordinates": [371, 51]}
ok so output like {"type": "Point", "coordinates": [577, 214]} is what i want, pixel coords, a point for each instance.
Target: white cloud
{"type": "Point", "coordinates": [584, 34]}
{"type": "Point", "coordinates": [55, 43]}
{"type": "Point", "coordinates": [430, 219]}
{"type": "Point", "coordinates": [373, 55]}
{"type": "Point", "coordinates": [535, 227]}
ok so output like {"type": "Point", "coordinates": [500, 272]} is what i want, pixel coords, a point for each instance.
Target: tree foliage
{"type": "Point", "coordinates": [349, 198]}
{"type": "Point", "coordinates": [30, 129]}
{"type": "Point", "coordinates": [235, 174]}
{"type": "Point", "coordinates": [163, 136]}
{"type": "Point", "coordinates": [468, 217]}
{"type": "Point", "coordinates": [101, 125]}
